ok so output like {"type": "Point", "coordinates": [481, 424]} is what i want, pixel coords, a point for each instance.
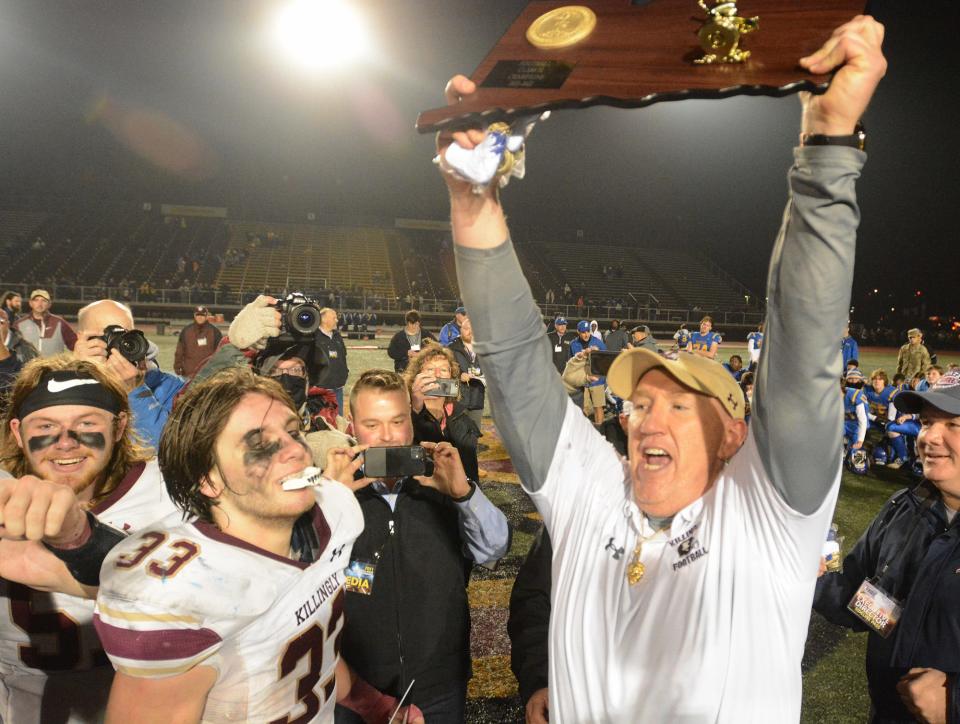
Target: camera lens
{"type": "Point", "coordinates": [133, 345]}
{"type": "Point", "coordinates": [304, 319]}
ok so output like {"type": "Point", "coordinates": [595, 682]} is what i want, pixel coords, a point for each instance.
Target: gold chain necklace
{"type": "Point", "coordinates": [636, 569]}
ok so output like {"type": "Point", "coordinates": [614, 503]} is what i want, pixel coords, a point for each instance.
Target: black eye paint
{"type": "Point", "coordinates": [41, 441]}
{"type": "Point", "coordinates": [302, 442]}
{"type": "Point", "coordinates": [260, 453]}
{"type": "Point", "coordinates": [94, 440]}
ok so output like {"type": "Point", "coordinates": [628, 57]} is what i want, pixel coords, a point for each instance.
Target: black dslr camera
{"type": "Point", "coordinates": [131, 343]}
{"type": "Point", "coordinates": [299, 316]}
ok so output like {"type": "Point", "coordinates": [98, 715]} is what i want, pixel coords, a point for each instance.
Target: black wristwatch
{"type": "Point", "coordinates": [858, 139]}
{"type": "Point", "coordinates": [473, 488]}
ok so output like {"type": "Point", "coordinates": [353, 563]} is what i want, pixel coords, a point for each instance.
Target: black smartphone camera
{"type": "Point", "coordinates": [131, 343]}
{"type": "Point", "coordinates": [396, 462]}
{"type": "Point", "coordinates": [445, 388]}
{"type": "Point", "coordinates": [299, 316]}
{"type": "Point", "coordinates": [600, 362]}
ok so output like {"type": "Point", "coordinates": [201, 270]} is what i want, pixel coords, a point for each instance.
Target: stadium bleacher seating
{"type": "Point", "coordinates": [17, 231]}
{"type": "Point", "coordinates": [110, 243]}
{"type": "Point", "coordinates": [304, 256]}
{"type": "Point", "coordinates": [104, 244]}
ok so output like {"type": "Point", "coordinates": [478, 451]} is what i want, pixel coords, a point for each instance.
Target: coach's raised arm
{"type": "Point", "coordinates": [682, 584]}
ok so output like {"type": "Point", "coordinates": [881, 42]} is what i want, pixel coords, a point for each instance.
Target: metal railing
{"type": "Point", "coordinates": [646, 309]}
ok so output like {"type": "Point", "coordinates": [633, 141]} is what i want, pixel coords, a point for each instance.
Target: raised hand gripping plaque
{"type": "Point", "coordinates": [631, 54]}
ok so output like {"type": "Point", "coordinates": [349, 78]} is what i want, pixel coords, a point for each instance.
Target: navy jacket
{"type": "Point", "coordinates": [416, 623]}
{"type": "Point", "coordinates": [912, 537]}
{"type": "Point", "coordinates": [329, 365]}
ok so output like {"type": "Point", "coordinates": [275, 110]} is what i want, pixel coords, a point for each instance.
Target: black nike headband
{"type": "Point", "coordinates": [67, 387]}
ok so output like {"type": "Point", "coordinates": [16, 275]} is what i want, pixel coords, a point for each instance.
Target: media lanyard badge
{"type": "Point", "coordinates": [876, 608]}
{"type": "Point", "coordinates": [359, 577]}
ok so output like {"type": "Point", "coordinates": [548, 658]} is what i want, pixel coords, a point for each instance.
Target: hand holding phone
{"type": "Point", "coordinates": [395, 462]}
{"type": "Point", "coordinates": [444, 387]}
{"type": "Point", "coordinates": [344, 464]}
{"type": "Point", "coordinates": [448, 475]}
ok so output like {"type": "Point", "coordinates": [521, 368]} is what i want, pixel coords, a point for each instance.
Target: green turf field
{"type": "Point", "coordinates": [834, 680]}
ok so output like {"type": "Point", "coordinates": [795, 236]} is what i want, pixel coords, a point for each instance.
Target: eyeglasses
{"type": "Point", "coordinates": [298, 371]}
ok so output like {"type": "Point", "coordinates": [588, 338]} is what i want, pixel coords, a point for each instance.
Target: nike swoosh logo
{"type": "Point", "coordinates": [56, 386]}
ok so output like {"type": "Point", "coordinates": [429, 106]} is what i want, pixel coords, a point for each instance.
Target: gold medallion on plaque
{"type": "Point", "coordinates": [721, 33]}
{"type": "Point", "coordinates": [562, 27]}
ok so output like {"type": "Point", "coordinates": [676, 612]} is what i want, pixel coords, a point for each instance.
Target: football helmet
{"type": "Point", "coordinates": [879, 455]}
{"type": "Point", "coordinates": [858, 461]}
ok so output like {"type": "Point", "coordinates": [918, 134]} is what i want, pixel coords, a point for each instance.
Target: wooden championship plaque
{"type": "Point", "coordinates": [632, 54]}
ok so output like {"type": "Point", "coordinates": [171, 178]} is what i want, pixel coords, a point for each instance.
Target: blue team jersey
{"type": "Point", "coordinates": [754, 340]}
{"type": "Point", "coordinates": [578, 345]}
{"type": "Point", "coordinates": [879, 401]}
{"type": "Point", "coordinates": [683, 338]}
{"type": "Point", "coordinates": [703, 342]}
{"type": "Point", "coordinates": [852, 399]}
{"type": "Point", "coordinates": [448, 333]}
{"type": "Point", "coordinates": [896, 391]}
{"type": "Point", "coordinates": [736, 375]}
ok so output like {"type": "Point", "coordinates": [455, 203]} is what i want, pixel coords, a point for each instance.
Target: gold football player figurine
{"type": "Point", "coordinates": [720, 34]}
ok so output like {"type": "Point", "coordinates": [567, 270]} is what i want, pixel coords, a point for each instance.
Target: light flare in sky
{"type": "Point", "coordinates": [320, 34]}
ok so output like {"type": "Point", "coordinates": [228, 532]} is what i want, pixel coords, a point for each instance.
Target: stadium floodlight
{"type": "Point", "coordinates": [320, 34]}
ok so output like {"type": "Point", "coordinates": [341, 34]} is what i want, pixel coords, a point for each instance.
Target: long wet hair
{"type": "Point", "coordinates": [188, 444]}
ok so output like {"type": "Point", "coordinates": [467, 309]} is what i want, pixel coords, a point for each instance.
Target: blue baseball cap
{"type": "Point", "coordinates": [460, 310]}
{"type": "Point", "coordinates": [559, 320]}
{"type": "Point", "coordinates": [583, 326]}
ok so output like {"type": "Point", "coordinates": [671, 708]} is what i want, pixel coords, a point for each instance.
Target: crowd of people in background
{"type": "Point", "coordinates": [245, 541]}
{"type": "Point", "coordinates": [308, 371]}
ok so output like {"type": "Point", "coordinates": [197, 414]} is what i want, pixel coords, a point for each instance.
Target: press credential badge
{"type": "Point", "coordinates": [876, 608]}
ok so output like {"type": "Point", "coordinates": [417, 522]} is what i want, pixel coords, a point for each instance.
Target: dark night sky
{"type": "Point", "coordinates": [705, 174]}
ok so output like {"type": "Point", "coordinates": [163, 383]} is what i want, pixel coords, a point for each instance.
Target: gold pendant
{"type": "Point", "coordinates": [635, 570]}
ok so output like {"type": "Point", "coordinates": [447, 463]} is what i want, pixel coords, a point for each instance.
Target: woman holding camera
{"type": "Point", "coordinates": [433, 378]}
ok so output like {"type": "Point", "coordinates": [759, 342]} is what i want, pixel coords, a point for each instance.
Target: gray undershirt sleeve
{"type": "Point", "coordinates": [798, 407]}
{"type": "Point", "coordinates": [526, 396]}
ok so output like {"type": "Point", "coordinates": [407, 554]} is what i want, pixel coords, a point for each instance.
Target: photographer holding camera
{"type": "Point", "coordinates": [295, 324]}
{"type": "Point", "coordinates": [439, 414]}
{"type": "Point", "coordinates": [107, 337]}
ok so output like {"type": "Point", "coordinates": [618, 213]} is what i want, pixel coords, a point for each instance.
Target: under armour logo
{"type": "Point", "coordinates": [337, 552]}
{"type": "Point", "coordinates": [617, 552]}
{"type": "Point", "coordinates": [732, 401]}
